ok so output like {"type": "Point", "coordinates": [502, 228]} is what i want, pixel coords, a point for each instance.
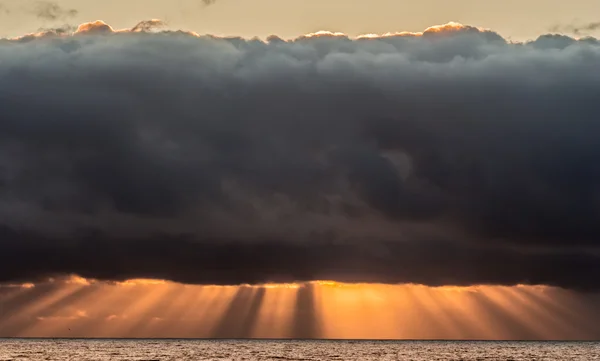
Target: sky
{"type": "Point", "coordinates": [518, 20]}
{"type": "Point", "coordinates": [438, 180]}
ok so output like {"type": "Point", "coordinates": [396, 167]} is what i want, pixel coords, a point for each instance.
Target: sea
{"type": "Point", "coordinates": [278, 350]}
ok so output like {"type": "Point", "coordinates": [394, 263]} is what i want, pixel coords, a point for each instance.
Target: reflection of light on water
{"type": "Point", "coordinates": [328, 309]}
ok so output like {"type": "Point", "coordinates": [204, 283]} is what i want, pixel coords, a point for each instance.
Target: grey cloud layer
{"type": "Point", "coordinates": [448, 158]}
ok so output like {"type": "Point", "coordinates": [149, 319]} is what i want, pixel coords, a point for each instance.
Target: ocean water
{"type": "Point", "coordinates": [223, 350]}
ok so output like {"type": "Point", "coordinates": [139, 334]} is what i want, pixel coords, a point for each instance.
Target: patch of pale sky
{"type": "Point", "coordinates": [513, 19]}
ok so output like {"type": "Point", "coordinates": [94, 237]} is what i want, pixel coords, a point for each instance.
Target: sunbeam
{"type": "Point", "coordinates": [307, 310]}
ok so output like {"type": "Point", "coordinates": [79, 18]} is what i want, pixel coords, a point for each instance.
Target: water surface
{"type": "Point", "coordinates": [254, 350]}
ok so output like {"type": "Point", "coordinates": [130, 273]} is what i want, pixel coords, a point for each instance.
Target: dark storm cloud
{"type": "Point", "coordinates": [450, 157]}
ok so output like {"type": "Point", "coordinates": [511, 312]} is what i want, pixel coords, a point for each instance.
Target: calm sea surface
{"type": "Point", "coordinates": [55, 349]}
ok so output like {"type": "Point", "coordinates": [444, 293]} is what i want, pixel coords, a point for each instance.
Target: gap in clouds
{"type": "Point", "coordinates": [76, 307]}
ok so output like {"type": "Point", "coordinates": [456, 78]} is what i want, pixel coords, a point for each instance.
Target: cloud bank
{"type": "Point", "coordinates": [448, 157]}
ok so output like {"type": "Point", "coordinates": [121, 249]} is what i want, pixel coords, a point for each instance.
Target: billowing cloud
{"type": "Point", "coordinates": [59, 30]}
{"type": "Point", "coordinates": [448, 157]}
{"type": "Point", "coordinates": [148, 25]}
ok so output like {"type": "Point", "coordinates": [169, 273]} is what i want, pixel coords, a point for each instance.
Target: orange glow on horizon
{"type": "Point", "coordinates": [141, 282]}
{"type": "Point", "coordinates": [79, 307]}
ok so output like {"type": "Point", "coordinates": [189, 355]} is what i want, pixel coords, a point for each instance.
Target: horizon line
{"type": "Point", "coordinates": [295, 339]}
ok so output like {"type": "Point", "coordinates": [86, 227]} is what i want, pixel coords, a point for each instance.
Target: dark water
{"type": "Point", "coordinates": [55, 349]}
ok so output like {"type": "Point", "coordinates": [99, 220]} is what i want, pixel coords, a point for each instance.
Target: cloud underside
{"type": "Point", "coordinates": [444, 157]}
